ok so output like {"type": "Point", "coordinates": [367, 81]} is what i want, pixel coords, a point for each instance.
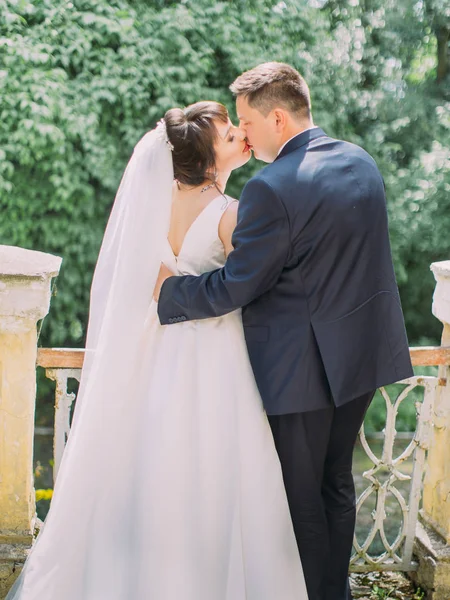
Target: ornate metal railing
{"type": "Point", "coordinates": [388, 470]}
{"type": "Point", "coordinates": [384, 477]}
{"type": "Point", "coordinates": [61, 364]}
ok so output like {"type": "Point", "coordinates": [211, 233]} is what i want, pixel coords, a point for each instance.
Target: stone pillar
{"type": "Point", "coordinates": [432, 545]}
{"type": "Point", "coordinates": [25, 278]}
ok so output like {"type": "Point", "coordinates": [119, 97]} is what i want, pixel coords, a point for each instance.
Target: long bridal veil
{"type": "Point", "coordinates": [88, 522]}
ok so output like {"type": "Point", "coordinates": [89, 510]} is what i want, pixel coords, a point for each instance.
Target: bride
{"type": "Point", "coordinates": [170, 487]}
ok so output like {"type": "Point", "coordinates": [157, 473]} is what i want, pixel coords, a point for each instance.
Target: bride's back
{"type": "Point", "coordinates": [187, 205]}
{"type": "Point", "coordinates": [200, 231]}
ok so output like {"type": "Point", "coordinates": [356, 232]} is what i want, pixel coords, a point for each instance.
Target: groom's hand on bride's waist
{"type": "Point", "coordinates": [164, 273]}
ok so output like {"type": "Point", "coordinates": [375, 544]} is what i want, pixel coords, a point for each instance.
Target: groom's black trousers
{"type": "Point", "coordinates": [315, 450]}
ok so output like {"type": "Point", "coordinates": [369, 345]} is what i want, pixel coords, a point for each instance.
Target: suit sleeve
{"type": "Point", "coordinates": [261, 242]}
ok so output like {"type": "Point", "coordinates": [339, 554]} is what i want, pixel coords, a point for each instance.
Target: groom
{"type": "Point", "coordinates": [323, 323]}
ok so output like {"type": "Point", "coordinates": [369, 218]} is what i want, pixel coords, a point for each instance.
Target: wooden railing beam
{"type": "Point", "coordinates": [72, 358]}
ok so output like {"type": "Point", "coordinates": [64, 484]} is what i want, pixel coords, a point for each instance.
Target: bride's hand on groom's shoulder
{"type": "Point", "coordinates": [164, 273]}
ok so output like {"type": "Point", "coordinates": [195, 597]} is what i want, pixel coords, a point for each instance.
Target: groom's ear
{"type": "Point", "coordinates": [280, 118]}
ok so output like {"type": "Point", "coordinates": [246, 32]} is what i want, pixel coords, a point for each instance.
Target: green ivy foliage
{"type": "Point", "coordinates": [82, 80]}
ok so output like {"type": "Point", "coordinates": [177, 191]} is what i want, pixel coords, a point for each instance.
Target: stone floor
{"type": "Point", "coordinates": [383, 586]}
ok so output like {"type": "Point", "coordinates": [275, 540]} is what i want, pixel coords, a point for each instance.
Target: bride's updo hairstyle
{"type": "Point", "coordinates": [192, 133]}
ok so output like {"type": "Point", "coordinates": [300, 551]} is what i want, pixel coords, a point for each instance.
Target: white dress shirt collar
{"type": "Point", "coordinates": [294, 136]}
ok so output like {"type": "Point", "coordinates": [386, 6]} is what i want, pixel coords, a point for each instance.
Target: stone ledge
{"type": "Point", "coordinates": [9, 571]}
{"type": "Point", "coordinates": [10, 539]}
{"type": "Point", "coordinates": [25, 277]}
{"type": "Point", "coordinates": [433, 555]}
{"type": "Point", "coordinates": [12, 558]}
{"type": "Point", "coordinates": [441, 297]}
{"type": "Point", "coordinates": [442, 268]}
{"type": "Point", "coordinates": [19, 262]}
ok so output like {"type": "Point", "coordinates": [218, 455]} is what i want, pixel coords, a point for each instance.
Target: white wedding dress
{"type": "Point", "coordinates": [196, 508]}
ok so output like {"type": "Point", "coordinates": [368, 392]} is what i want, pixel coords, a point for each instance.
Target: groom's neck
{"type": "Point", "coordinates": [295, 128]}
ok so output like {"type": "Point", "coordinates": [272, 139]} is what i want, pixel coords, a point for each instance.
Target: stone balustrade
{"type": "Point", "coordinates": [25, 290]}
{"type": "Point", "coordinates": [433, 530]}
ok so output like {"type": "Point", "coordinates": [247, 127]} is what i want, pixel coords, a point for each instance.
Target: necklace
{"type": "Point", "coordinates": [204, 189]}
{"type": "Point", "coordinates": [208, 187]}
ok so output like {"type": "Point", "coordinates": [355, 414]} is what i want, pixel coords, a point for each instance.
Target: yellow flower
{"type": "Point", "coordinates": [44, 494]}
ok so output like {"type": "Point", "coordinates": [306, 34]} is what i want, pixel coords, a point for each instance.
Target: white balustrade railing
{"type": "Point", "coordinates": [386, 470]}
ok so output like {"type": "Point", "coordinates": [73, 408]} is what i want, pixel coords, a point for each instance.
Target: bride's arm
{"type": "Point", "coordinates": [227, 226]}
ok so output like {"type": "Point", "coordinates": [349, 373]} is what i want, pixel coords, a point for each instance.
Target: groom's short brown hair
{"type": "Point", "coordinates": [274, 84]}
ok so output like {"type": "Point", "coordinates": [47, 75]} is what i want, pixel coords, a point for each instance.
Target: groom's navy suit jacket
{"type": "Point", "coordinates": [312, 269]}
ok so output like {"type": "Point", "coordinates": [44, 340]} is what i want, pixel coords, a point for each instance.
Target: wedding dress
{"type": "Point", "coordinates": [186, 498]}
